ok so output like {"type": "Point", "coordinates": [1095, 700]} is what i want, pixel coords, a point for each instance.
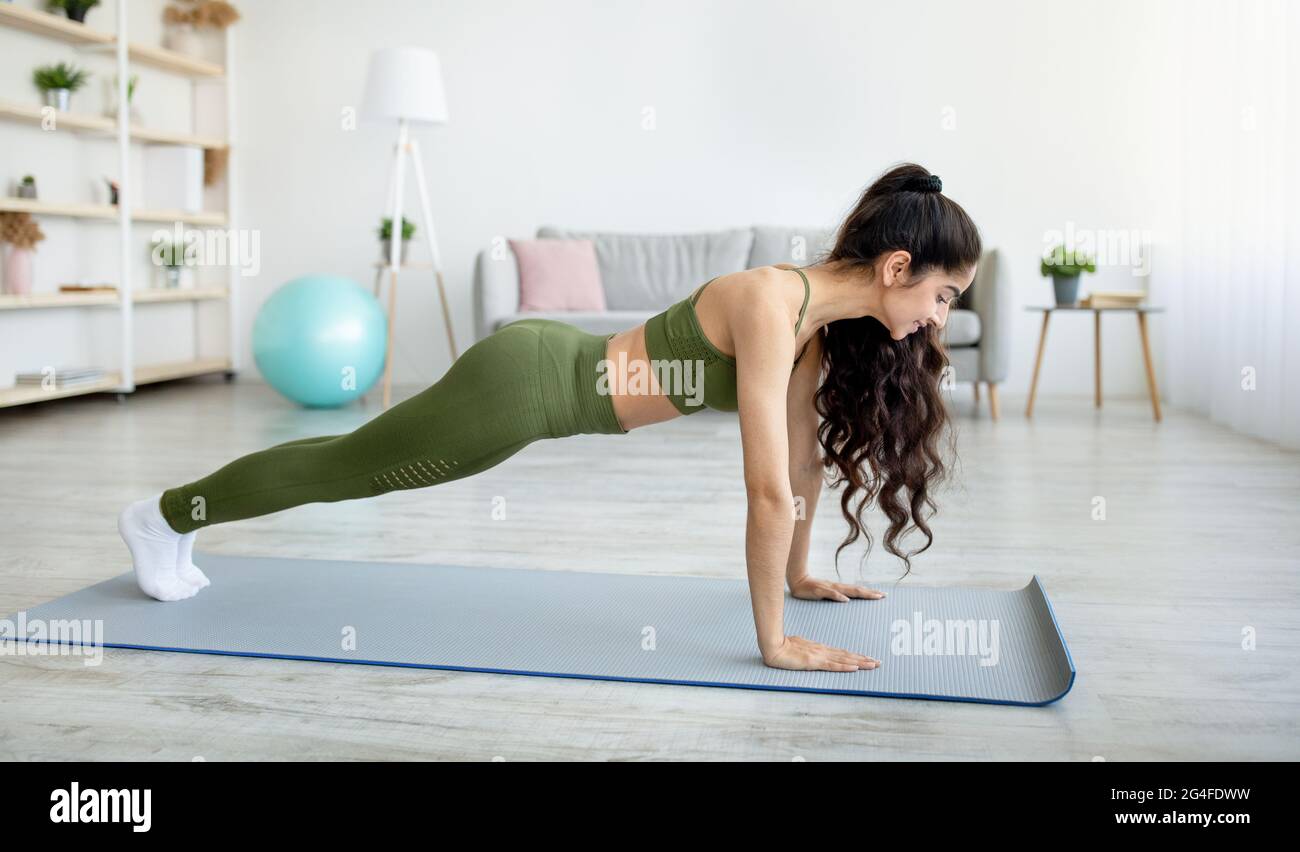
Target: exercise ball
{"type": "Point", "coordinates": [320, 340]}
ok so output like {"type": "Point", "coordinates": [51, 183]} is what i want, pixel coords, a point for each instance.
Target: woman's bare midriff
{"type": "Point", "coordinates": [627, 353]}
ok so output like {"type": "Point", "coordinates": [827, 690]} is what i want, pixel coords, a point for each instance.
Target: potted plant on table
{"type": "Point", "coordinates": [1064, 266]}
{"type": "Point", "coordinates": [27, 187]}
{"type": "Point", "coordinates": [386, 240]}
{"type": "Point", "coordinates": [19, 234]}
{"type": "Point", "coordinates": [75, 9]}
{"type": "Point", "coordinates": [57, 82]}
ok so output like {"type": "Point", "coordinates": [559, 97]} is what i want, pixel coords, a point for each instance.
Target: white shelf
{"type": "Point", "coordinates": [144, 374]}
{"type": "Point", "coordinates": [151, 295]}
{"type": "Point", "coordinates": [107, 212]}
{"type": "Point", "coordinates": [22, 395]}
{"type": "Point", "coordinates": [62, 29]}
{"type": "Point", "coordinates": [148, 373]}
{"type": "Point", "coordinates": [96, 125]}
{"type": "Point", "coordinates": [126, 374]}
{"type": "Point", "coordinates": [176, 63]}
{"type": "Point", "coordinates": [51, 26]}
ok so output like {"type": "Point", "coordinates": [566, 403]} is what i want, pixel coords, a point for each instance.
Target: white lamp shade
{"type": "Point", "coordinates": [404, 83]}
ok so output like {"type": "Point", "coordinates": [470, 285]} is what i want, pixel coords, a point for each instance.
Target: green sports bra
{"type": "Point", "coordinates": [676, 344]}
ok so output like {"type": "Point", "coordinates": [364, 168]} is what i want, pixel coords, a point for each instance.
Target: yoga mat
{"type": "Point", "coordinates": [952, 644]}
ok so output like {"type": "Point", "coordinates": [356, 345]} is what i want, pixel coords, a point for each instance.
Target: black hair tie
{"type": "Point", "coordinates": [929, 183]}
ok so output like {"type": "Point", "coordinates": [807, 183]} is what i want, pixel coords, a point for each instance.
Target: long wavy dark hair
{"type": "Point", "coordinates": [881, 408]}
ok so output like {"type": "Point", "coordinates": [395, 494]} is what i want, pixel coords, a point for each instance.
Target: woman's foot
{"type": "Point", "coordinates": [154, 547]}
{"type": "Point", "coordinates": [185, 567]}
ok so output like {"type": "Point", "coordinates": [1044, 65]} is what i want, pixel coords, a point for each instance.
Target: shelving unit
{"type": "Point", "coordinates": [128, 375]}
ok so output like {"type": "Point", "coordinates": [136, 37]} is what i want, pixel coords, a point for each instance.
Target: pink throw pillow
{"type": "Point", "coordinates": [558, 275]}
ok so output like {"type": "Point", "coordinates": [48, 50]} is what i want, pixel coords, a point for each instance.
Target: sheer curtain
{"type": "Point", "coordinates": [1233, 333]}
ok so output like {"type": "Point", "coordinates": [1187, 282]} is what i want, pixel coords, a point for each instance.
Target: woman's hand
{"type": "Point", "coordinates": [801, 654]}
{"type": "Point", "coordinates": [812, 589]}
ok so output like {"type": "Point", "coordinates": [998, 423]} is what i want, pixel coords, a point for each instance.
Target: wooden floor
{"type": "Point", "coordinates": [1199, 547]}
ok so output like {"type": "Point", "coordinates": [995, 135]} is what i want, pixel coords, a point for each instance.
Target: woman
{"type": "Point", "coordinates": [830, 365]}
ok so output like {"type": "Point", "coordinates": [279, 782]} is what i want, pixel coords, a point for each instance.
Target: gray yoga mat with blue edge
{"type": "Point", "coordinates": [952, 644]}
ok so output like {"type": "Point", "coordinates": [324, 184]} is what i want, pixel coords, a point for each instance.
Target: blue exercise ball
{"type": "Point", "coordinates": [320, 340]}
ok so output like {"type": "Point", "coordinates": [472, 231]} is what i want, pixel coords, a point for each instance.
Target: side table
{"type": "Point", "coordinates": [1140, 310]}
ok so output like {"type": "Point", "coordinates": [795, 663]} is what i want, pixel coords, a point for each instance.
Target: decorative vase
{"type": "Point", "coordinates": [182, 39]}
{"type": "Point", "coordinates": [18, 270]}
{"type": "Point", "coordinates": [386, 251]}
{"type": "Point", "coordinates": [1067, 289]}
{"type": "Point", "coordinates": [173, 280]}
{"type": "Point", "coordinates": [58, 98]}
{"type": "Point", "coordinates": [110, 104]}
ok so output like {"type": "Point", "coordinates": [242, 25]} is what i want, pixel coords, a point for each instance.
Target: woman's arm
{"type": "Point", "coordinates": [806, 475]}
{"type": "Point", "coordinates": [764, 351]}
{"type": "Point", "coordinates": [806, 480]}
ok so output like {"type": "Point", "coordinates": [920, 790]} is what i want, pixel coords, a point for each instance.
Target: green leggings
{"type": "Point", "coordinates": [529, 380]}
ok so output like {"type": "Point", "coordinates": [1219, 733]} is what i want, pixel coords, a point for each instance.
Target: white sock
{"type": "Point", "coordinates": [153, 545]}
{"type": "Point", "coordinates": [185, 567]}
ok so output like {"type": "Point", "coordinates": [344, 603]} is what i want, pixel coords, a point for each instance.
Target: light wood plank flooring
{"type": "Point", "coordinates": [1201, 541]}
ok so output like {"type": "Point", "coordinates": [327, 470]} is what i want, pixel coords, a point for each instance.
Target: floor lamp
{"type": "Point", "coordinates": [404, 85]}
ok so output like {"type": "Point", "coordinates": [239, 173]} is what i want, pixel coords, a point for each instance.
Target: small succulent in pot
{"type": "Point", "coordinates": [75, 9]}
{"type": "Point", "coordinates": [58, 82]}
{"type": "Point", "coordinates": [27, 187]}
{"type": "Point", "coordinates": [386, 239]}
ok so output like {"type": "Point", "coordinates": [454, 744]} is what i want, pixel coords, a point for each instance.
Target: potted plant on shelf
{"type": "Point", "coordinates": [27, 187]}
{"type": "Point", "coordinates": [57, 82]}
{"type": "Point", "coordinates": [184, 18]}
{"type": "Point", "coordinates": [19, 234]}
{"type": "Point", "coordinates": [1064, 266]}
{"type": "Point", "coordinates": [171, 255]}
{"type": "Point", "coordinates": [75, 9]}
{"type": "Point", "coordinates": [386, 240]}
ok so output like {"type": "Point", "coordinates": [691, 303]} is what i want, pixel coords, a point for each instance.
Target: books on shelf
{"type": "Point", "coordinates": [66, 377]}
{"type": "Point", "coordinates": [1113, 299]}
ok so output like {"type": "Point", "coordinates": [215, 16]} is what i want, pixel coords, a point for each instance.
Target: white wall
{"type": "Point", "coordinates": [771, 111]}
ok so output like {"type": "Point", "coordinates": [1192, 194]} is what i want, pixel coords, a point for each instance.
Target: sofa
{"type": "Point", "coordinates": [644, 273]}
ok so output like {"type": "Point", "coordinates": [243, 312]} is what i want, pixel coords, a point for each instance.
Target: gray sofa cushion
{"type": "Point", "coordinates": [648, 272]}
